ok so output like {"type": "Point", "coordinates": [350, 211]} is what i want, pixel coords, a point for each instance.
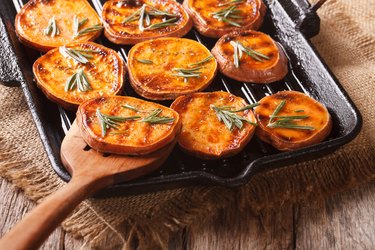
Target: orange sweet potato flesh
{"type": "Point", "coordinates": [251, 70]}
{"type": "Point", "coordinates": [156, 81]}
{"type": "Point", "coordinates": [105, 72]}
{"type": "Point", "coordinates": [35, 15]}
{"type": "Point", "coordinates": [202, 134]}
{"type": "Point", "coordinates": [296, 104]}
{"type": "Point", "coordinates": [202, 13]}
{"type": "Point", "coordinates": [115, 13]}
{"type": "Point", "coordinates": [132, 137]}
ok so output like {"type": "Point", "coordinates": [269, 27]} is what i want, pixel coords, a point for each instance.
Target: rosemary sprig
{"type": "Point", "coordinates": [94, 28]}
{"type": "Point", "coordinates": [201, 62]}
{"type": "Point", "coordinates": [226, 13]}
{"type": "Point", "coordinates": [284, 121]}
{"type": "Point", "coordinates": [166, 23]}
{"type": "Point", "coordinates": [78, 55]}
{"type": "Point", "coordinates": [145, 61]}
{"type": "Point", "coordinates": [229, 117]}
{"type": "Point", "coordinates": [277, 110]}
{"type": "Point", "coordinates": [77, 25]}
{"type": "Point", "coordinates": [154, 118]}
{"type": "Point", "coordinates": [78, 80]}
{"type": "Point", "coordinates": [230, 3]}
{"type": "Point", "coordinates": [187, 73]}
{"type": "Point", "coordinates": [144, 16]}
{"type": "Point", "coordinates": [108, 121]}
{"type": "Point", "coordinates": [239, 48]}
{"type": "Point", "coordinates": [52, 29]}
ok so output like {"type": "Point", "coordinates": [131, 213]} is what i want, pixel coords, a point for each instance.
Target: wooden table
{"type": "Point", "coordinates": [343, 221]}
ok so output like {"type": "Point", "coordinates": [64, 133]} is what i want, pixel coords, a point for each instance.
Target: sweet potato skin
{"type": "Point", "coordinates": [105, 71]}
{"type": "Point", "coordinates": [291, 139]}
{"type": "Point", "coordinates": [202, 134]}
{"type": "Point", "coordinates": [251, 70]}
{"type": "Point", "coordinates": [201, 13]}
{"type": "Point", "coordinates": [131, 137]}
{"type": "Point", "coordinates": [34, 16]}
{"type": "Point", "coordinates": [114, 14]}
{"type": "Point", "coordinates": [156, 81]}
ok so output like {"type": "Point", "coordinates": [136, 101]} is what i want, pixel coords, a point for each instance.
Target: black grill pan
{"type": "Point", "coordinates": [290, 22]}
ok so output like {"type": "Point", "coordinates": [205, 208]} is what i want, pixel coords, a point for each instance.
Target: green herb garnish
{"type": "Point", "coordinates": [187, 73]}
{"type": "Point", "coordinates": [284, 121]}
{"type": "Point", "coordinates": [166, 23]}
{"type": "Point", "coordinates": [77, 25]}
{"type": "Point", "coordinates": [230, 12]}
{"type": "Point", "coordinates": [229, 117]}
{"type": "Point", "coordinates": [94, 28]}
{"type": "Point", "coordinates": [144, 17]}
{"type": "Point", "coordinates": [52, 29]}
{"type": "Point", "coordinates": [239, 48]}
{"type": "Point", "coordinates": [233, 2]}
{"type": "Point", "coordinates": [127, 106]}
{"type": "Point", "coordinates": [78, 80]}
{"type": "Point", "coordinates": [145, 61]}
{"type": "Point", "coordinates": [108, 121]}
{"type": "Point", "coordinates": [202, 61]}
{"type": "Point", "coordinates": [154, 118]}
{"type": "Point", "coordinates": [78, 55]}
{"type": "Point", "coordinates": [299, 111]}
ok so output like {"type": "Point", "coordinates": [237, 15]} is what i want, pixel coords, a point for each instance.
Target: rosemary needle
{"type": "Point", "coordinates": [52, 29]}
{"type": "Point", "coordinates": [78, 80]}
{"type": "Point", "coordinates": [154, 118]}
{"type": "Point", "coordinates": [145, 61]}
{"type": "Point", "coordinates": [78, 55]}
{"type": "Point", "coordinates": [202, 61]}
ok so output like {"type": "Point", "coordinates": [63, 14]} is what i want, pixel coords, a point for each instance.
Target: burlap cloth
{"type": "Point", "coordinates": [346, 42]}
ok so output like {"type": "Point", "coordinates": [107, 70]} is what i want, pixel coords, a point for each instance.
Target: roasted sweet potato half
{"type": "Point", "coordinates": [291, 120]}
{"type": "Point", "coordinates": [214, 125]}
{"type": "Point", "coordinates": [74, 73]}
{"type": "Point", "coordinates": [215, 18]}
{"type": "Point", "coordinates": [133, 21]}
{"type": "Point", "coordinates": [126, 125]}
{"type": "Point", "coordinates": [165, 68]}
{"type": "Point", "coordinates": [47, 24]}
{"type": "Point", "coordinates": [250, 56]}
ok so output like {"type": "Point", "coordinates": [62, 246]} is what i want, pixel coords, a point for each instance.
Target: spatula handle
{"type": "Point", "coordinates": [37, 225]}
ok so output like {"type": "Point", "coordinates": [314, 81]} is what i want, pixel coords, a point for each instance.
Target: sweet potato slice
{"type": "Point", "coordinates": [131, 22]}
{"type": "Point", "coordinates": [98, 72]}
{"type": "Point", "coordinates": [47, 24]}
{"type": "Point", "coordinates": [126, 125]}
{"type": "Point", "coordinates": [203, 134]}
{"type": "Point", "coordinates": [250, 56]}
{"type": "Point", "coordinates": [300, 121]}
{"type": "Point", "coordinates": [215, 18]}
{"type": "Point", "coordinates": [165, 68]}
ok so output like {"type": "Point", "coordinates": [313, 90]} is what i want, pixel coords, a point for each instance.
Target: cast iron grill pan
{"type": "Point", "coordinates": [290, 22]}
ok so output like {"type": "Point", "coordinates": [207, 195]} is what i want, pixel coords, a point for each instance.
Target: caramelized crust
{"type": "Point", "coordinates": [156, 80]}
{"type": "Point", "coordinates": [296, 104]}
{"type": "Point", "coordinates": [250, 69]}
{"type": "Point", "coordinates": [202, 12]}
{"type": "Point", "coordinates": [34, 17]}
{"type": "Point", "coordinates": [132, 137]}
{"type": "Point", "coordinates": [115, 13]}
{"type": "Point", "coordinates": [105, 72]}
{"type": "Point", "coordinates": [202, 134]}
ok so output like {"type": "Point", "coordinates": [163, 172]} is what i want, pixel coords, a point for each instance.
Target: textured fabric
{"type": "Point", "coordinates": [347, 44]}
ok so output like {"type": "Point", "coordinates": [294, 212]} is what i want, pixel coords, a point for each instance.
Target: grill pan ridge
{"type": "Point", "coordinates": [290, 23]}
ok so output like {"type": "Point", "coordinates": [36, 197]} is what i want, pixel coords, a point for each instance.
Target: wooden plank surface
{"type": "Point", "coordinates": [343, 221]}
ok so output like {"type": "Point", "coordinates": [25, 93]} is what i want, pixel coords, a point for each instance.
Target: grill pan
{"type": "Point", "coordinates": [290, 22]}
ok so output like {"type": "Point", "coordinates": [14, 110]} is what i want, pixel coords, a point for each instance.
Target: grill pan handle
{"type": "Point", "coordinates": [304, 15]}
{"type": "Point", "coordinates": [10, 73]}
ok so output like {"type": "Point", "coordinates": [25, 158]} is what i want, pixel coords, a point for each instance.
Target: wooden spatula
{"type": "Point", "coordinates": [90, 172]}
